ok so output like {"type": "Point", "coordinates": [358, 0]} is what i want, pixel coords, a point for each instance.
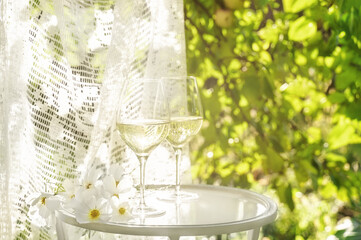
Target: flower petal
{"type": "Point", "coordinates": [68, 185]}
{"type": "Point", "coordinates": [52, 203]}
{"type": "Point", "coordinates": [81, 217]}
{"type": "Point", "coordinates": [44, 211]}
{"type": "Point", "coordinates": [116, 171]}
{"type": "Point", "coordinates": [109, 184]}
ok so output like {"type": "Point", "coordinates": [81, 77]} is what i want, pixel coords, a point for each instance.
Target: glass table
{"type": "Point", "coordinates": [218, 210]}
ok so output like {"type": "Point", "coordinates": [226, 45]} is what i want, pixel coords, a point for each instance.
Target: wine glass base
{"type": "Point", "coordinates": [146, 211]}
{"type": "Point", "coordinates": [177, 196]}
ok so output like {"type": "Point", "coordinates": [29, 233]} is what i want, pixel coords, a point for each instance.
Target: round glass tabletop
{"type": "Point", "coordinates": [217, 210]}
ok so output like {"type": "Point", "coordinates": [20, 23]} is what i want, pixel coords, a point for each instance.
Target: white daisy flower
{"type": "Point", "coordinates": [90, 180]}
{"type": "Point", "coordinates": [91, 209]}
{"type": "Point", "coordinates": [42, 208]}
{"type": "Point", "coordinates": [120, 189]}
{"type": "Point", "coordinates": [47, 204]}
{"type": "Point", "coordinates": [121, 209]}
{"type": "Point", "coordinates": [71, 188]}
{"type": "Point", "coordinates": [116, 171]}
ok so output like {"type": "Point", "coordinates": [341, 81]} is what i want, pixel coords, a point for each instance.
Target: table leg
{"type": "Point", "coordinates": [253, 234]}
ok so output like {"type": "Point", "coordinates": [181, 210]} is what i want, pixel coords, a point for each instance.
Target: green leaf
{"type": "Point", "coordinates": [301, 174]}
{"type": "Point", "coordinates": [336, 97]}
{"type": "Point", "coordinates": [251, 88]}
{"type": "Point", "coordinates": [294, 6]}
{"type": "Point", "coordinates": [225, 168]}
{"type": "Point", "coordinates": [302, 29]}
{"type": "Point", "coordinates": [344, 79]}
{"type": "Point", "coordinates": [256, 87]}
{"type": "Point", "coordinates": [332, 157]}
{"type": "Point", "coordinates": [353, 110]}
{"type": "Point", "coordinates": [329, 190]}
{"type": "Point", "coordinates": [272, 162]}
{"type": "Point", "coordinates": [284, 192]}
{"type": "Point", "coordinates": [342, 135]}
{"type": "Point", "coordinates": [265, 57]}
{"type": "Point", "coordinates": [300, 59]}
{"type": "Point", "coordinates": [270, 32]}
{"type": "Point", "coordinates": [242, 168]}
{"type": "Point", "coordinates": [314, 134]}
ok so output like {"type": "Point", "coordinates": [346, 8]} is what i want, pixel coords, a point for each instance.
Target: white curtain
{"type": "Point", "coordinates": [62, 65]}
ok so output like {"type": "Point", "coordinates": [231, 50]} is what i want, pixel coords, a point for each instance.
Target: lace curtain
{"type": "Point", "coordinates": [62, 66]}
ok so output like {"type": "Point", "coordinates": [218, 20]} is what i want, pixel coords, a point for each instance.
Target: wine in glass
{"type": "Point", "coordinates": [143, 123]}
{"type": "Point", "coordinates": [186, 117]}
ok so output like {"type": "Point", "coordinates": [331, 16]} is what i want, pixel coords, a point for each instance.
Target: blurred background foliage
{"type": "Point", "coordinates": [280, 83]}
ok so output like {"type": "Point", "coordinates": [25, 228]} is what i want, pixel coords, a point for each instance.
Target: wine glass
{"type": "Point", "coordinates": [186, 117]}
{"type": "Point", "coordinates": [143, 123]}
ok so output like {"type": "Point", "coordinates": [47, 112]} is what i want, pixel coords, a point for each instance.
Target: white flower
{"type": "Point", "coordinates": [90, 180]}
{"type": "Point", "coordinates": [91, 209]}
{"type": "Point", "coordinates": [47, 204]}
{"type": "Point", "coordinates": [121, 189]}
{"type": "Point", "coordinates": [121, 209]}
{"type": "Point", "coordinates": [42, 208]}
{"type": "Point", "coordinates": [116, 171]}
{"type": "Point", "coordinates": [71, 188]}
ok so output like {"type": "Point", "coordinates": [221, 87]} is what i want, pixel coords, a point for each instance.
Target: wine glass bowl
{"type": "Point", "coordinates": [143, 122]}
{"type": "Point", "coordinates": [143, 136]}
{"type": "Point", "coordinates": [183, 129]}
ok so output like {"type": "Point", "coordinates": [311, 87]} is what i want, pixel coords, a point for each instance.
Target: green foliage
{"type": "Point", "coordinates": [282, 98]}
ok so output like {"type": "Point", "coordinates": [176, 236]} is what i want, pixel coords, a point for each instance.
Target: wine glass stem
{"type": "Point", "coordinates": [142, 161]}
{"type": "Point", "coordinates": [178, 157]}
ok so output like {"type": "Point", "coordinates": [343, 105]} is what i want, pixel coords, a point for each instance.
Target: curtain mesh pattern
{"type": "Point", "coordinates": [62, 67]}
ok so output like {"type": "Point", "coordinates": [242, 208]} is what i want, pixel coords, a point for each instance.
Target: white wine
{"type": "Point", "coordinates": [182, 129]}
{"type": "Point", "coordinates": [143, 136]}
